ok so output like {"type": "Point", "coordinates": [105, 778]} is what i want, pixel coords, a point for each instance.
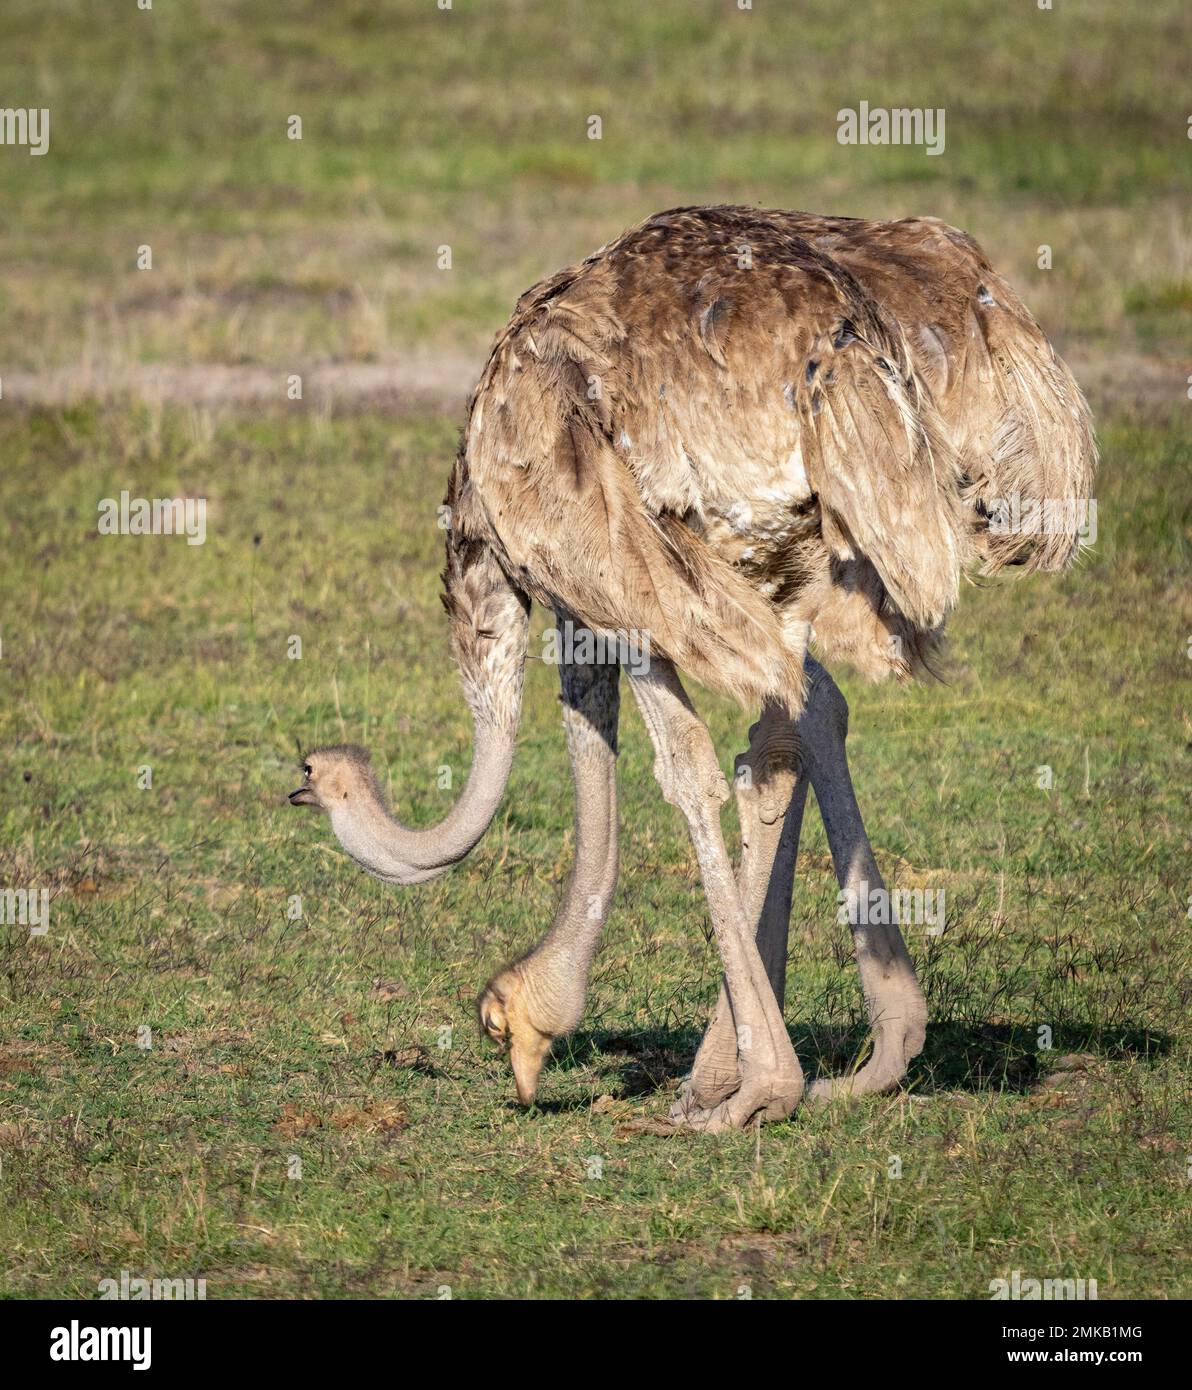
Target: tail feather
{"type": "Point", "coordinates": [1033, 467]}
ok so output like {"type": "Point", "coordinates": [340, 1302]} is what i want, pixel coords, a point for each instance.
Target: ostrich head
{"type": "Point", "coordinates": [504, 1010]}
{"type": "Point", "coordinates": [333, 776]}
{"type": "Point", "coordinates": [340, 780]}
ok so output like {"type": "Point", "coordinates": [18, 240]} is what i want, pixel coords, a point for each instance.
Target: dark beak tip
{"type": "Point", "coordinates": [296, 797]}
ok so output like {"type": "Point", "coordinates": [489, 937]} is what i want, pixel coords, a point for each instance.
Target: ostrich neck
{"type": "Point", "coordinates": [555, 975]}
{"type": "Point", "coordinates": [489, 635]}
{"type": "Point", "coordinates": [400, 854]}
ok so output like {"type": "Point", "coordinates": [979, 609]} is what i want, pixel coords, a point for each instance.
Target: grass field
{"type": "Point", "coordinates": [345, 1036]}
{"type": "Point", "coordinates": [468, 128]}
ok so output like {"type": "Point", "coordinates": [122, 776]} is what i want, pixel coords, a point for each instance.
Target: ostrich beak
{"type": "Point", "coordinates": [502, 1018]}
{"type": "Point", "coordinates": [303, 796]}
{"type": "Point", "coordinates": [527, 1053]}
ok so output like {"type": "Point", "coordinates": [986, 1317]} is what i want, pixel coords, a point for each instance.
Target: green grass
{"type": "Point", "coordinates": [1066, 908]}
{"type": "Point", "coordinates": [171, 910]}
{"type": "Point", "coordinates": [424, 127]}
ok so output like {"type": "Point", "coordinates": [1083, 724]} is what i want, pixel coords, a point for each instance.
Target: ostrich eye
{"type": "Point", "coordinates": [306, 769]}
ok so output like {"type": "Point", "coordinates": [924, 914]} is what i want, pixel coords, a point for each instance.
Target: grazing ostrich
{"type": "Point", "coordinates": [734, 431]}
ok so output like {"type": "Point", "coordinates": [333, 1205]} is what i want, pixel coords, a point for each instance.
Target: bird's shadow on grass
{"type": "Point", "coordinates": [975, 1057]}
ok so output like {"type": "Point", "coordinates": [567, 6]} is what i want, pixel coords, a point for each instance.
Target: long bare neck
{"type": "Point", "coordinates": [555, 974]}
{"type": "Point", "coordinates": [489, 634]}
{"type": "Point", "coordinates": [400, 854]}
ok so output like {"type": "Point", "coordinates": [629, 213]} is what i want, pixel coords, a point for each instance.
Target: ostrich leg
{"type": "Point", "coordinates": [541, 996]}
{"type": "Point", "coordinates": [686, 767]}
{"type": "Point", "coordinates": [771, 792]}
{"type": "Point", "coordinates": [893, 999]}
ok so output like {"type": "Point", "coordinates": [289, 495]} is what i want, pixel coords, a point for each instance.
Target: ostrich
{"type": "Point", "coordinates": [733, 431]}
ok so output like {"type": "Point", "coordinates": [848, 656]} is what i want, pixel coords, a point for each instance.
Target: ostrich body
{"type": "Point", "coordinates": [730, 431]}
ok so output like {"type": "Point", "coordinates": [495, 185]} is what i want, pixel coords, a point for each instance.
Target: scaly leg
{"type": "Point", "coordinates": [771, 791]}
{"type": "Point", "coordinates": [686, 767]}
{"type": "Point", "coordinates": [893, 999]}
{"type": "Point", "coordinates": [541, 997]}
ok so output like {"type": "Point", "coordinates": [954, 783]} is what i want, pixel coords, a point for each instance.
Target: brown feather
{"type": "Point", "coordinates": [730, 422]}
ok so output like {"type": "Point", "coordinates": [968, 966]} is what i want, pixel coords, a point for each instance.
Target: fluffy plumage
{"type": "Point", "coordinates": [730, 423]}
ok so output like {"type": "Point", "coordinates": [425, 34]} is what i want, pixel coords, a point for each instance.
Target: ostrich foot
{"type": "Point", "coordinates": [715, 1074]}
{"type": "Point", "coordinates": [765, 1095]}
{"type": "Point", "coordinates": [705, 1091]}
{"type": "Point", "coordinates": [729, 1087]}
{"type": "Point", "coordinates": [897, 1038]}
